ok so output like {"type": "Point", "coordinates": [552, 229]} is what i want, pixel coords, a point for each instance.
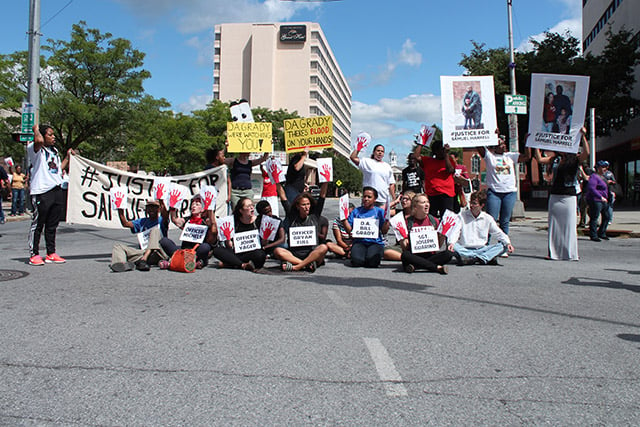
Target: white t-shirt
{"type": "Point", "coordinates": [501, 171]}
{"type": "Point", "coordinates": [377, 175]}
{"type": "Point", "coordinates": [46, 172]}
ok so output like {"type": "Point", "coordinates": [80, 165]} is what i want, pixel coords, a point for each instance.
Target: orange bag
{"type": "Point", "coordinates": [184, 260]}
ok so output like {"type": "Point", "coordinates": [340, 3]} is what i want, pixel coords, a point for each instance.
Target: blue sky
{"type": "Point", "coordinates": [392, 52]}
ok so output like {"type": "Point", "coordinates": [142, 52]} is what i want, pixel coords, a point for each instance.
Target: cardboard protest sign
{"type": "Point", "coordinates": [90, 182]}
{"type": "Point", "coordinates": [426, 135]}
{"type": "Point", "coordinates": [177, 193]}
{"type": "Point", "coordinates": [209, 194]}
{"type": "Point", "coordinates": [325, 169]}
{"type": "Point", "coordinates": [302, 236]}
{"type": "Point", "coordinates": [9, 161]}
{"type": "Point", "coordinates": [365, 228]}
{"type": "Point", "coordinates": [313, 132]}
{"type": "Point", "coordinates": [246, 241]}
{"type": "Point", "coordinates": [143, 238]}
{"type": "Point", "coordinates": [226, 228]}
{"type": "Point", "coordinates": [248, 137]}
{"type": "Point", "coordinates": [268, 228]}
{"type": "Point", "coordinates": [274, 169]}
{"type": "Point", "coordinates": [399, 226]}
{"type": "Point", "coordinates": [450, 225]}
{"type": "Point", "coordinates": [118, 196]}
{"type": "Point", "coordinates": [468, 111]}
{"type": "Point", "coordinates": [558, 108]}
{"type": "Point", "coordinates": [195, 233]}
{"type": "Point", "coordinates": [344, 207]}
{"type": "Point", "coordinates": [423, 239]}
{"type": "Point", "coordinates": [362, 141]}
{"type": "Point", "coordinates": [161, 189]}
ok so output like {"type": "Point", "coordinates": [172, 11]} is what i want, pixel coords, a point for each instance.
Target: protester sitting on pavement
{"type": "Point", "coordinates": [199, 217]}
{"type": "Point", "coordinates": [244, 221]}
{"type": "Point", "coordinates": [342, 245]}
{"type": "Point", "coordinates": [156, 224]}
{"type": "Point", "coordinates": [471, 243]}
{"type": "Point", "coordinates": [367, 251]}
{"type": "Point", "coordinates": [303, 228]}
{"type": "Point", "coordinates": [432, 260]}
{"type": "Point", "coordinates": [264, 209]}
{"type": "Point", "coordinates": [394, 252]}
{"type": "Point", "coordinates": [597, 194]}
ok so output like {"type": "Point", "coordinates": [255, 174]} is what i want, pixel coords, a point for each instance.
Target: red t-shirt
{"type": "Point", "coordinates": [437, 180]}
{"type": "Point", "coordinates": [268, 188]}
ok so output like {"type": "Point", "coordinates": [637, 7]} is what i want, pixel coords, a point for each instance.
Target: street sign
{"type": "Point", "coordinates": [515, 104]}
{"type": "Point", "coordinates": [28, 120]}
{"type": "Point", "coordinates": [338, 183]}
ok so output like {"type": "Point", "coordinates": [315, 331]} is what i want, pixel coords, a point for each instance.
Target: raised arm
{"type": "Point", "coordinates": [584, 155]}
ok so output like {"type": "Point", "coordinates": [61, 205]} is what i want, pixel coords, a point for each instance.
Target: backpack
{"type": "Point", "coordinates": [184, 260]}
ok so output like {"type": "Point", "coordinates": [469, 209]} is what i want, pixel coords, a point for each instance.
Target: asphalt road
{"type": "Point", "coordinates": [527, 342]}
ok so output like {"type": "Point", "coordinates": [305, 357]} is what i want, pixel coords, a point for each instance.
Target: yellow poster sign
{"type": "Point", "coordinates": [252, 137]}
{"type": "Point", "coordinates": [313, 132]}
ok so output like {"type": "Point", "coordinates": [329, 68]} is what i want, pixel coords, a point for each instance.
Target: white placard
{"type": "Point", "coordinates": [209, 195]}
{"type": "Point", "coordinates": [344, 207]}
{"type": "Point", "coordinates": [302, 236]}
{"type": "Point", "coordinates": [325, 169]}
{"type": "Point", "coordinates": [195, 233]}
{"type": "Point", "coordinates": [558, 108]}
{"type": "Point", "coordinates": [362, 141]}
{"type": "Point", "coordinates": [468, 111]}
{"type": "Point", "coordinates": [246, 241]}
{"type": "Point", "coordinates": [177, 193]}
{"type": "Point", "coordinates": [365, 228]}
{"type": "Point", "coordinates": [426, 135]}
{"type": "Point", "coordinates": [226, 228]}
{"type": "Point", "coordinates": [450, 225]}
{"type": "Point", "coordinates": [8, 161]}
{"type": "Point", "coordinates": [160, 188]}
{"type": "Point", "coordinates": [143, 237]}
{"type": "Point", "coordinates": [274, 169]}
{"type": "Point", "coordinates": [269, 227]}
{"type": "Point", "coordinates": [118, 196]}
{"type": "Point", "coordinates": [399, 226]}
{"type": "Point", "coordinates": [423, 239]}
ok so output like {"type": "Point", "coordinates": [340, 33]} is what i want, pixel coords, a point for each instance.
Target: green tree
{"type": "Point", "coordinates": [276, 118]}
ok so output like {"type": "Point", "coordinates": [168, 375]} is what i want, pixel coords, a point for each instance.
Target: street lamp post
{"type": "Point", "coordinates": [34, 55]}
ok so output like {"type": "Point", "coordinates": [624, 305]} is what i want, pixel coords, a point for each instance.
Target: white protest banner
{"type": "Point", "coordinates": [143, 238]}
{"type": "Point", "coordinates": [468, 111]}
{"type": "Point", "coordinates": [423, 239]}
{"type": "Point", "coordinates": [362, 141]}
{"type": "Point", "coordinates": [161, 188]}
{"type": "Point", "coordinates": [9, 161]}
{"type": "Point", "coordinates": [246, 241]}
{"type": "Point", "coordinates": [118, 197]}
{"type": "Point", "coordinates": [325, 169]}
{"type": "Point", "coordinates": [89, 184]}
{"type": "Point", "coordinates": [177, 193]}
{"type": "Point", "coordinates": [274, 169]}
{"type": "Point", "coordinates": [194, 233]}
{"type": "Point", "coordinates": [365, 228]}
{"type": "Point", "coordinates": [344, 207]}
{"type": "Point", "coordinates": [226, 228]}
{"type": "Point", "coordinates": [426, 135]}
{"type": "Point", "coordinates": [268, 228]}
{"type": "Point", "coordinates": [209, 194]}
{"type": "Point", "coordinates": [558, 108]}
{"type": "Point", "coordinates": [399, 226]}
{"type": "Point", "coordinates": [302, 236]}
{"type": "Point", "coordinates": [450, 225]}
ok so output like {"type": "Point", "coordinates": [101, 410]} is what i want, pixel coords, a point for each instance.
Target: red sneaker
{"type": "Point", "coordinates": [54, 258]}
{"type": "Point", "coordinates": [36, 260]}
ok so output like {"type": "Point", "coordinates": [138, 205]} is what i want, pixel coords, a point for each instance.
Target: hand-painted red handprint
{"type": "Point", "coordinates": [268, 229]}
{"type": "Point", "coordinates": [174, 197]}
{"type": "Point", "coordinates": [426, 134]}
{"type": "Point", "coordinates": [402, 230]}
{"type": "Point", "coordinates": [361, 142]}
{"type": "Point", "coordinates": [226, 230]}
{"type": "Point", "coordinates": [118, 196]}
{"type": "Point", "coordinates": [447, 223]}
{"type": "Point", "coordinates": [273, 168]}
{"type": "Point", "coordinates": [326, 172]}
{"type": "Point", "coordinates": [208, 198]}
{"type": "Point", "coordinates": [345, 209]}
{"type": "Point", "coordinates": [160, 191]}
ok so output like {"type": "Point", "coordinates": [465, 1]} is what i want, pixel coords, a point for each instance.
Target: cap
{"type": "Point", "coordinates": [152, 202]}
{"type": "Point", "coordinates": [602, 164]}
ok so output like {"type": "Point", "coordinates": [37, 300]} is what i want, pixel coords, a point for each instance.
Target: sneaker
{"type": "Point", "coordinates": [119, 267]}
{"type": "Point", "coordinates": [164, 264]}
{"type": "Point", "coordinates": [604, 237]}
{"type": "Point", "coordinates": [54, 259]}
{"type": "Point", "coordinates": [36, 260]}
{"type": "Point", "coordinates": [595, 239]}
{"type": "Point", "coordinates": [141, 265]}
{"type": "Point", "coordinates": [505, 255]}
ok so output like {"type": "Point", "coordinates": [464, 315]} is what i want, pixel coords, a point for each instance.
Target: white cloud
{"type": "Point", "coordinates": [195, 102]}
{"type": "Point", "coordinates": [571, 10]}
{"type": "Point", "coordinates": [408, 55]}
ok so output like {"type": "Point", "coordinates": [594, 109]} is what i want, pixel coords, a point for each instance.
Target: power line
{"type": "Point", "coordinates": [56, 14]}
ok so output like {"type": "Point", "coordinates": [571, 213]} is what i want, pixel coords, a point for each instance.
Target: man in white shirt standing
{"type": "Point", "coordinates": [471, 244]}
{"type": "Point", "coordinates": [47, 195]}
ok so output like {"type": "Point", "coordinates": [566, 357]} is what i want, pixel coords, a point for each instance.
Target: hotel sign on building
{"type": "Point", "coordinates": [293, 33]}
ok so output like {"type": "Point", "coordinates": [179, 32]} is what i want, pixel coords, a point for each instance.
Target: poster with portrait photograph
{"type": "Point", "coordinates": [558, 107]}
{"type": "Point", "coordinates": [468, 111]}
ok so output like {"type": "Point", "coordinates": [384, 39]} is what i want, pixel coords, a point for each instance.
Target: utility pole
{"type": "Point", "coordinates": [34, 56]}
{"type": "Point", "coordinates": [518, 208]}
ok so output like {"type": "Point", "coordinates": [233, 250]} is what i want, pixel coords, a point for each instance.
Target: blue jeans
{"type": "Point", "coordinates": [366, 255]}
{"type": "Point", "coordinates": [500, 207]}
{"type": "Point", "coordinates": [17, 201]}
{"type": "Point", "coordinates": [597, 209]}
{"type": "Point", "coordinates": [484, 254]}
{"type": "Point", "coordinates": [1, 210]}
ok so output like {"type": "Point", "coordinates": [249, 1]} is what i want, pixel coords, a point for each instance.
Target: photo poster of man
{"type": "Point", "coordinates": [558, 108]}
{"type": "Point", "coordinates": [468, 111]}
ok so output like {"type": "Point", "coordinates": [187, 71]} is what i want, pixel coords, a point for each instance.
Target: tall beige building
{"type": "Point", "coordinates": [621, 148]}
{"type": "Point", "coordinates": [288, 66]}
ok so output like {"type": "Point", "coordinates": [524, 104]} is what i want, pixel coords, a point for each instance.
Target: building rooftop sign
{"type": "Point", "coordinates": [293, 33]}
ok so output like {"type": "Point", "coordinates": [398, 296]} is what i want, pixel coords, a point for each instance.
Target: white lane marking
{"type": "Point", "coordinates": [337, 299]}
{"type": "Point", "coordinates": [385, 367]}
